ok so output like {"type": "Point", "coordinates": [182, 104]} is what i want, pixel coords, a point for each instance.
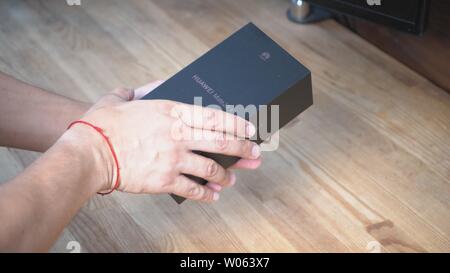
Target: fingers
{"type": "Point", "coordinates": [214, 186]}
{"type": "Point", "coordinates": [249, 164]}
{"type": "Point", "coordinates": [207, 169]}
{"type": "Point", "coordinates": [219, 143]}
{"type": "Point", "coordinates": [187, 188]}
{"type": "Point", "coordinates": [119, 95]}
{"type": "Point", "coordinates": [213, 119]}
{"type": "Point", "coordinates": [140, 92]}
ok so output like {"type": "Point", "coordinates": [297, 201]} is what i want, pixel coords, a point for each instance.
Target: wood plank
{"type": "Point", "coordinates": [370, 161]}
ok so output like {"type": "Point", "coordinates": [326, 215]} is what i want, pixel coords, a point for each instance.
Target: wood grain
{"type": "Point", "coordinates": [369, 162]}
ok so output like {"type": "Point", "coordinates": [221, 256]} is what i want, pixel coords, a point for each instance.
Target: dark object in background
{"type": "Point", "coordinates": [248, 68]}
{"type": "Point", "coordinates": [428, 54]}
{"type": "Point", "coordinates": [405, 15]}
{"type": "Point", "coordinates": [389, 27]}
{"type": "Point", "coordinates": [304, 13]}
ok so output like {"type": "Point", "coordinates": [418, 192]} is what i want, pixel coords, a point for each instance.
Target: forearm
{"type": "Point", "coordinates": [37, 204]}
{"type": "Point", "coordinates": [32, 118]}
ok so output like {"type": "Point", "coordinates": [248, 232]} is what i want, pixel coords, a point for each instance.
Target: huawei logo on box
{"type": "Point", "coordinates": [264, 56]}
{"type": "Point", "coordinates": [374, 2]}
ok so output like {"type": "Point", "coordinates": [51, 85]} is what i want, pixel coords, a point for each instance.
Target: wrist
{"type": "Point", "coordinates": [89, 150]}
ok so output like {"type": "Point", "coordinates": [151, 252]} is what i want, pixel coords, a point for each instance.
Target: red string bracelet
{"type": "Point", "coordinates": [111, 148]}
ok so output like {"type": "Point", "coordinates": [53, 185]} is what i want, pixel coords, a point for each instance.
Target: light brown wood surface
{"type": "Point", "coordinates": [368, 164]}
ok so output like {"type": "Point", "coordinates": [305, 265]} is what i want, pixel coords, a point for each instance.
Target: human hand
{"type": "Point", "coordinates": [153, 142]}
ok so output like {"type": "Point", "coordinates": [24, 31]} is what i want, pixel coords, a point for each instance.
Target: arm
{"type": "Point", "coordinates": [36, 205]}
{"type": "Point", "coordinates": [31, 118]}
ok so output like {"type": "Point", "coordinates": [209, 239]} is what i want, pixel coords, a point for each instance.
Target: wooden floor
{"type": "Point", "coordinates": [367, 168]}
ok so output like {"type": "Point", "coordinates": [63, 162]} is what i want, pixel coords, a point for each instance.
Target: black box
{"type": "Point", "coordinates": [247, 68]}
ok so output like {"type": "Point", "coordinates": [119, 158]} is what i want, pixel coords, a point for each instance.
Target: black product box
{"type": "Point", "coordinates": [247, 68]}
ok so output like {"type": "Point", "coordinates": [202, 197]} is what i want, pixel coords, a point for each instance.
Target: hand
{"type": "Point", "coordinates": [153, 142]}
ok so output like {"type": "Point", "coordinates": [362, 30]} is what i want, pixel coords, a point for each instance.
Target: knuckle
{"type": "Point", "coordinates": [210, 119]}
{"type": "Point", "coordinates": [212, 168]}
{"type": "Point", "coordinates": [193, 191]}
{"type": "Point", "coordinates": [246, 147]}
{"type": "Point", "coordinates": [123, 93]}
{"type": "Point", "coordinates": [221, 142]}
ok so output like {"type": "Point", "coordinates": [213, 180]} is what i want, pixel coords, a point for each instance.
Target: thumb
{"type": "Point", "coordinates": [140, 92]}
{"type": "Point", "coordinates": [116, 96]}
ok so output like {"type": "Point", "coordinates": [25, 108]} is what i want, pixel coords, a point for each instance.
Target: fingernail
{"type": "Point", "coordinates": [250, 129]}
{"type": "Point", "coordinates": [232, 179]}
{"type": "Point", "coordinates": [215, 196]}
{"type": "Point", "coordinates": [214, 186]}
{"type": "Point", "coordinates": [256, 151]}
